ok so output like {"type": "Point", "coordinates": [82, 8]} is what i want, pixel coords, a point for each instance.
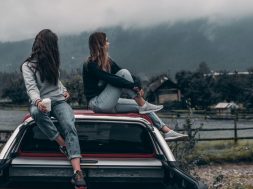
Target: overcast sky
{"type": "Point", "coordinates": [23, 19]}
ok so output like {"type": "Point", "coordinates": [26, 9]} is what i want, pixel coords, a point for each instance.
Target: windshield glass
{"type": "Point", "coordinates": [95, 138]}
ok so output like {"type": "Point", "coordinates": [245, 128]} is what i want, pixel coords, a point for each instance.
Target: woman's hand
{"type": "Point", "coordinates": [66, 95]}
{"type": "Point", "coordinates": [42, 107]}
{"type": "Point", "coordinates": [141, 93]}
{"type": "Point", "coordinates": [136, 89]}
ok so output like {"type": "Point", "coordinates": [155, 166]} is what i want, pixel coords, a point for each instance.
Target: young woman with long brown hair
{"type": "Point", "coordinates": [41, 75]}
{"type": "Point", "coordinates": [104, 82]}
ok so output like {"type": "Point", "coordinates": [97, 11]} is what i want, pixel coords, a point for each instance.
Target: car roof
{"type": "Point", "coordinates": [89, 113]}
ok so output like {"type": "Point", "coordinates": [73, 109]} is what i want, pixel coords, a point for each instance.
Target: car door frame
{"type": "Point", "coordinates": [175, 177]}
{"type": "Point", "coordinates": [10, 151]}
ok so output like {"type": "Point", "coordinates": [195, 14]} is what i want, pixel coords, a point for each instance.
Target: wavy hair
{"type": "Point", "coordinates": [45, 52]}
{"type": "Point", "coordinates": [98, 52]}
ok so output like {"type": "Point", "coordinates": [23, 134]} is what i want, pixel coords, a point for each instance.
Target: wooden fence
{"type": "Point", "coordinates": [235, 131]}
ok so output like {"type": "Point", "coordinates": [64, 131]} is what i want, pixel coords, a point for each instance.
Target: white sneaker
{"type": "Point", "coordinates": [173, 135]}
{"type": "Point", "coordinates": [147, 108]}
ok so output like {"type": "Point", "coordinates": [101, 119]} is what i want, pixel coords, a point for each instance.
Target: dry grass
{"type": "Point", "coordinates": [221, 164]}
{"type": "Point", "coordinates": [219, 152]}
{"type": "Point", "coordinates": [226, 176]}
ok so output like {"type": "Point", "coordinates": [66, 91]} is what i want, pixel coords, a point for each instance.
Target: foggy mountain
{"type": "Point", "coordinates": [164, 48]}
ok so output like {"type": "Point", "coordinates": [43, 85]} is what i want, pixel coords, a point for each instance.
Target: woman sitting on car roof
{"type": "Point", "coordinates": [41, 75]}
{"type": "Point", "coordinates": [104, 82]}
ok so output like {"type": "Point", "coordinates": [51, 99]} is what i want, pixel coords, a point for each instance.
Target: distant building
{"type": "Point", "coordinates": [225, 107]}
{"type": "Point", "coordinates": [5, 100]}
{"type": "Point", "coordinates": [215, 74]}
{"type": "Point", "coordinates": [163, 90]}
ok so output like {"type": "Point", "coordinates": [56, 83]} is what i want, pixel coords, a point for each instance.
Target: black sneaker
{"type": "Point", "coordinates": [63, 150]}
{"type": "Point", "coordinates": [78, 180]}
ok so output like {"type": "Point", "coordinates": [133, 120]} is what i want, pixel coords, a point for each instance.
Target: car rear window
{"type": "Point", "coordinates": [95, 138]}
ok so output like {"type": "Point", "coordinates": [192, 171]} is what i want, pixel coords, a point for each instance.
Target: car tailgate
{"type": "Point", "coordinates": [97, 169]}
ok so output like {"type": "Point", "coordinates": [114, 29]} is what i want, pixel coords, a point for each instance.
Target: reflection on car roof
{"type": "Point", "coordinates": [93, 114]}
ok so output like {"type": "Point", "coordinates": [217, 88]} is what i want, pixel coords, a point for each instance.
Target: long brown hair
{"type": "Point", "coordinates": [45, 52]}
{"type": "Point", "coordinates": [98, 52]}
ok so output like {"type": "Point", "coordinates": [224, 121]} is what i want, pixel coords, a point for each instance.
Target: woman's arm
{"type": "Point", "coordinates": [30, 83]}
{"type": "Point", "coordinates": [117, 68]}
{"type": "Point", "coordinates": [109, 78]}
{"type": "Point", "coordinates": [61, 86]}
{"type": "Point", "coordinates": [64, 90]}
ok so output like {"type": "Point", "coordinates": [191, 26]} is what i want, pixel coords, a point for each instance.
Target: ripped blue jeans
{"type": "Point", "coordinates": [62, 111]}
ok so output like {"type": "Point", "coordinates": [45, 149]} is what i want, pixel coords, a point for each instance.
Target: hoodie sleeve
{"type": "Point", "coordinates": [30, 83]}
{"type": "Point", "coordinates": [62, 87]}
{"type": "Point", "coordinates": [109, 78]}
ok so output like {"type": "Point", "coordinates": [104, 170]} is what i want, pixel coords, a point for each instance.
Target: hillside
{"type": "Point", "coordinates": [156, 49]}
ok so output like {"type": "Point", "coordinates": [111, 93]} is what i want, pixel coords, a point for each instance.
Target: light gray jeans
{"type": "Point", "coordinates": [109, 101]}
{"type": "Point", "coordinates": [62, 111]}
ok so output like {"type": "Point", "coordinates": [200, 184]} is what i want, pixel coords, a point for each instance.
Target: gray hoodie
{"type": "Point", "coordinates": [36, 89]}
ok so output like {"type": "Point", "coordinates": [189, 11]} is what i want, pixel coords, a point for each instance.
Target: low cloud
{"type": "Point", "coordinates": [22, 19]}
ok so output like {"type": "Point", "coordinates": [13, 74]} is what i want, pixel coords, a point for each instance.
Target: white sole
{"type": "Point", "coordinates": [149, 111]}
{"type": "Point", "coordinates": [175, 138]}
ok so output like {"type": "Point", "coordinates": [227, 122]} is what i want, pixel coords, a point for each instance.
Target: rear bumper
{"type": "Point", "coordinates": [93, 174]}
{"type": "Point", "coordinates": [99, 170]}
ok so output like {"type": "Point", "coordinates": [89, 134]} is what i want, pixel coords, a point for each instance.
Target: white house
{"type": "Point", "coordinates": [225, 107]}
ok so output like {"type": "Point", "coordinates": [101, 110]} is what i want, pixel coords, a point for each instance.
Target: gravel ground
{"type": "Point", "coordinates": [226, 176]}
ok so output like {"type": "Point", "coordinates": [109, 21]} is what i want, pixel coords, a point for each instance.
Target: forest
{"type": "Point", "coordinates": [200, 86]}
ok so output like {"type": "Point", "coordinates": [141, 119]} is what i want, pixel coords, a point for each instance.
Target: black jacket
{"type": "Point", "coordinates": [95, 79]}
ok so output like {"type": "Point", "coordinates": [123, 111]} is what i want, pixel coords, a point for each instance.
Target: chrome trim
{"type": "Point", "coordinates": [111, 118]}
{"type": "Point", "coordinates": [165, 148]}
{"type": "Point", "coordinates": [9, 144]}
{"type": "Point", "coordinates": [105, 162]}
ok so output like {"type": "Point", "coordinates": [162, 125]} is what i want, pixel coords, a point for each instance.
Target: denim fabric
{"type": "Point", "coordinates": [65, 116]}
{"type": "Point", "coordinates": [115, 104]}
{"type": "Point", "coordinates": [111, 94]}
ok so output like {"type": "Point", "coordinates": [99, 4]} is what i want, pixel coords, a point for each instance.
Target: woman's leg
{"type": "Point", "coordinates": [109, 97]}
{"type": "Point", "coordinates": [44, 122]}
{"type": "Point", "coordinates": [128, 105]}
{"type": "Point", "coordinates": [46, 125]}
{"type": "Point", "coordinates": [65, 116]}
{"type": "Point", "coordinates": [169, 134]}
{"type": "Point", "coordinates": [60, 140]}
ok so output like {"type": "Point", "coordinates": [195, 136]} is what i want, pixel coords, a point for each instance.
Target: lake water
{"type": "Point", "coordinates": [10, 119]}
